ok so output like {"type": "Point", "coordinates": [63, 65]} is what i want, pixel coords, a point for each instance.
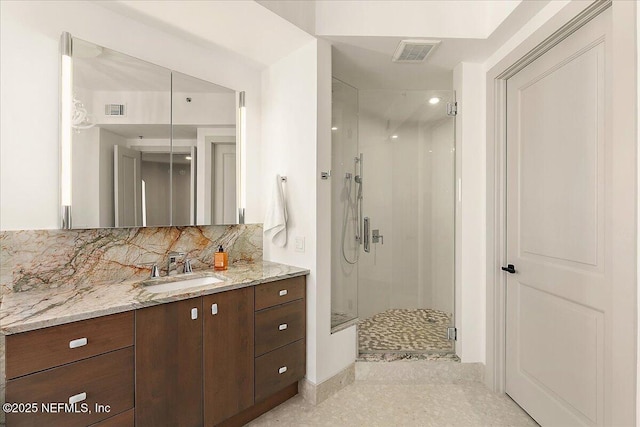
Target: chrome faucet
{"type": "Point", "coordinates": [155, 272]}
{"type": "Point", "coordinates": [186, 268]}
{"type": "Point", "coordinates": [172, 262]}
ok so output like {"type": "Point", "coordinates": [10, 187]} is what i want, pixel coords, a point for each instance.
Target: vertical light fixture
{"type": "Point", "coordinates": [242, 190]}
{"type": "Point", "coordinates": [66, 105]}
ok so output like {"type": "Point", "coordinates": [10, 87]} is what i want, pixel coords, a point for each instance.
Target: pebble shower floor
{"type": "Point", "coordinates": [406, 331]}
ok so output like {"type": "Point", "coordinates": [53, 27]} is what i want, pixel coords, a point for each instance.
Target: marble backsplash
{"type": "Point", "coordinates": [36, 259]}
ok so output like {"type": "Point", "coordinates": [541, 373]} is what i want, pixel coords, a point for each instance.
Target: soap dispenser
{"type": "Point", "coordinates": [220, 259]}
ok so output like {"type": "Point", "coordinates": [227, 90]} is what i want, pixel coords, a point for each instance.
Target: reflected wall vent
{"type": "Point", "coordinates": [114, 110]}
{"type": "Point", "coordinates": [414, 51]}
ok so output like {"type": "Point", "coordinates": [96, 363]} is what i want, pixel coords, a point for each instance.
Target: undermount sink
{"type": "Point", "coordinates": [176, 284]}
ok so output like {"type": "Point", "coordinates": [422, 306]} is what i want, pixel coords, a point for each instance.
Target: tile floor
{"type": "Point", "coordinates": [405, 330]}
{"type": "Point", "coordinates": [409, 400]}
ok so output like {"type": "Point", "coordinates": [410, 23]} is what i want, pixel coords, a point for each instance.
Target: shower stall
{"type": "Point", "coordinates": [393, 218]}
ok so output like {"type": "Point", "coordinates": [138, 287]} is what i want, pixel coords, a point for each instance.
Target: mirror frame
{"type": "Point", "coordinates": [65, 144]}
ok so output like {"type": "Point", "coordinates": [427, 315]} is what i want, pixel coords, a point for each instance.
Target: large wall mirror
{"type": "Point", "coordinates": [142, 145]}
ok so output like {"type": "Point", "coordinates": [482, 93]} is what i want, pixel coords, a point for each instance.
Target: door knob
{"type": "Point", "coordinates": [509, 269]}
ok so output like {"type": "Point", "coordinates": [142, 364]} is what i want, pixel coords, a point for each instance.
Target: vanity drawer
{"type": "Point", "coordinates": [278, 369]}
{"type": "Point", "coordinates": [279, 292]}
{"type": "Point", "coordinates": [106, 379]}
{"type": "Point", "coordinates": [41, 349]}
{"type": "Point", "coordinates": [125, 419]}
{"type": "Point", "coordinates": [278, 326]}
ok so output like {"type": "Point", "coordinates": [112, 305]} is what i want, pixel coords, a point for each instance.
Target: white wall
{"type": "Point", "coordinates": [85, 161]}
{"type": "Point", "coordinates": [141, 107]}
{"type": "Point", "coordinates": [296, 95]}
{"type": "Point", "coordinates": [301, 13]}
{"type": "Point", "coordinates": [217, 109]}
{"type": "Point", "coordinates": [442, 19]}
{"type": "Point", "coordinates": [156, 107]}
{"type": "Point", "coordinates": [29, 79]}
{"type": "Point", "coordinates": [469, 84]}
{"type": "Point", "coordinates": [550, 10]}
{"type": "Point", "coordinates": [92, 186]}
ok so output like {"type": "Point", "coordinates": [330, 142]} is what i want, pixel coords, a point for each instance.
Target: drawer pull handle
{"type": "Point", "coordinates": [282, 327]}
{"type": "Point", "coordinates": [194, 313]}
{"type": "Point", "coordinates": [77, 343]}
{"type": "Point", "coordinates": [77, 398]}
{"type": "Point", "coordinates": [283, 292]}
{"type": "Point", "coordinates": [214, 309]}
{"type": "Point", "coordinates": [282, 370]}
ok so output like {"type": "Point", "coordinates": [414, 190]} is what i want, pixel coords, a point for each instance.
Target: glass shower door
{"type": "Point", "coordinates": [406, 280]}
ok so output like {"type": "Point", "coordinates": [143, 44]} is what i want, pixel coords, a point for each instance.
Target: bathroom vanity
{"type": "Point", "coordinates": [217, 355]}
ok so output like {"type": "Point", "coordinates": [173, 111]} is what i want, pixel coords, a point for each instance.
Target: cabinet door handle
{"type": "Point", "coordinates": [78, 343]}
{"type": "Point", "coordinates": [194, 313]}
{"type": "Point", "coordinates": [214, 309]}
{"type": "Point", "coordinates": [283, 292]}
{"type": "Point", "coordinates": [282, 327]}
{"type": "Point", "coordinates": [77, 398]}
{"type": "Point", "coordinates": [282, 370]}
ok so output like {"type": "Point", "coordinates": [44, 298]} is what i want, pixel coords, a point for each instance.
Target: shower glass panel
{"type": "Point", "coordinates": [406, 281]}
{"type": "Point", "coordinates": [345, 206]}
{"type": "Point", "coordinates": [396, 150]}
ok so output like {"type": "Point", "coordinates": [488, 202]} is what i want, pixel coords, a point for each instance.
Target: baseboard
{"type": "Point", "coordinates": [318, 393]}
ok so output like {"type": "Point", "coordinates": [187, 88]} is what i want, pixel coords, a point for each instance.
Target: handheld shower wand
{"type": "Point", "coordinates": [355, 207]}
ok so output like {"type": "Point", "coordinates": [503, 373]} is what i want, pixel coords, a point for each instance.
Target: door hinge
{"type": "Point", "coordinates": [452, 108]}
{"type": "Point", "coordinates": [452, 334]}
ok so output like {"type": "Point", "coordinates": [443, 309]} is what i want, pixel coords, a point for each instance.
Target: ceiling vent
{"type": "Point", "coordinates": [414, 51]}
{"type": "Point", "coordinates": [114, 110]}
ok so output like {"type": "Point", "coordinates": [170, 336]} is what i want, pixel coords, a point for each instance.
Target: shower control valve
{"type": "Point", "coordinates": [376, 237]}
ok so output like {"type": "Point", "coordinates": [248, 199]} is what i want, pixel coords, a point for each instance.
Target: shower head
{"type": "Point", "coordinates": [358, 180]}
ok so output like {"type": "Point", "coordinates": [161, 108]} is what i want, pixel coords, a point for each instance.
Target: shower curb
{"type": "Point", "coordinates": [418, 372]}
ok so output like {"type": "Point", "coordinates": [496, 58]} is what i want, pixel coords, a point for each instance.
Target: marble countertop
{"type": "Point", "coordinates": [29, 310]}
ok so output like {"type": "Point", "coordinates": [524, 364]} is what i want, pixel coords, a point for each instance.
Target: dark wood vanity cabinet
{"type": "Point", "coordinates": [280, 336]}
{"type": "Point", "coordinates": [280, 346]}
{"type": "Point", "coordinates": [195, 360]}
{"type": "Point", "coordinates": [218, 360]}
{"type": "Point", "coordinates": [169, 364]}
{"type": "Point", "coordinates": [228, 354]}
{"type": "Point", "coordinates": [76, 374]}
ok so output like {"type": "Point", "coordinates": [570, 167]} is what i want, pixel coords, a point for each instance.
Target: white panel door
{"type": "Point", "coordinates": [127, 186]}
{"type": "Point", "coordinates": [224, 185]}
{"type": "Point", "coordinates": [558, 230]}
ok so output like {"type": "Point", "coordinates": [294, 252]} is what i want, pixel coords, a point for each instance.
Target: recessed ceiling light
{"type": "Point", "coordinates": [334, 128]}
{"type": "Point", "coordinates": [187, 157]}
{"type": "Point", "coordinates": [434, 100]}
{"type": "Point", "coordinates": [394, 136]}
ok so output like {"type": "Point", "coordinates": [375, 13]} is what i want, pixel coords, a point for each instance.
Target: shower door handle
{"type": "Point", "coordinates": [365, 237]}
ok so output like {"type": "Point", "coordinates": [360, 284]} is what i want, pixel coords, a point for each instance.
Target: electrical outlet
{"type": "Point", "coordinates": [299, 244]}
